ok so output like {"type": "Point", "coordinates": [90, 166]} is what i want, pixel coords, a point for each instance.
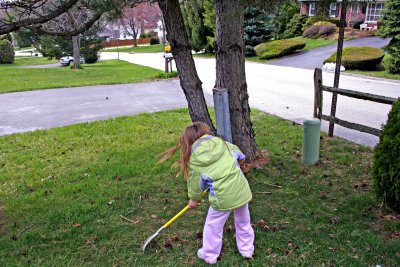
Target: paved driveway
{"type": "Point", "coordinates": [314, 58]}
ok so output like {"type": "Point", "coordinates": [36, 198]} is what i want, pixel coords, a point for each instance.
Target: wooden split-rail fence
{"type": "Point", "coordinates": [318, 97]}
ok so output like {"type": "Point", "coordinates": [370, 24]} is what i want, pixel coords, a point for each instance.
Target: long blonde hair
{"type": "Point", "coordinates": [190, 135]}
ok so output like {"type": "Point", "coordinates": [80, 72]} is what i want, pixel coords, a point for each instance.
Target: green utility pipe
{"type": "Point", "coordinates": [311, 141]}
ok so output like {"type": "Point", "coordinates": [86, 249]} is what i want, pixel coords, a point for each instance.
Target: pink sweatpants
{"type": "Point", "coordinates": [214, 228]}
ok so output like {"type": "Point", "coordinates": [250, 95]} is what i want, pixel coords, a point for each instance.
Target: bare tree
{"type": "Point", "coordinates": [137, 19]}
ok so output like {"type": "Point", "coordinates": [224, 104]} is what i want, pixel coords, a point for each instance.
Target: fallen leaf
{"type": "Point", "coordinates": [76, 224]}
{"type": "Point", "coordinates": [153, 216]}
{"type": "Point", "coordinates": [261, 223]}
{"type": "Point", "coordinates": [268, 251]}
{"type": "Point", "coordinates": [290, 244]}
{"type": "Point", "coordinates": [118, 177]}
{"type": "Point", "coordinates": [166, 200]}
{"type": "Point", "coordinates": [390, 217]}
{"type": "Point", "coordinates": [175, 237]}
{"type": "Point", "coordinates": [168, 243]}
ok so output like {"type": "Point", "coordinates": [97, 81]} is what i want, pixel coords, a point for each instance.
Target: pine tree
{"type": "Point", "coordinates": [258, 26]}
{"type": "Point", "coordinates": [391, 29]}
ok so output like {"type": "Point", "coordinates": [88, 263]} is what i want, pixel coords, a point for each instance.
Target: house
{"type": "Point", "coordinates": [366, 11]}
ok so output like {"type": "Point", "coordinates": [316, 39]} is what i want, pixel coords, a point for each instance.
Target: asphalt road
{"type": "Point", "coordinates": [314, 58]}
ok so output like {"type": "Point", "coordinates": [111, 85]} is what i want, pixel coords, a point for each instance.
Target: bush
{"type": "Point", "coordinates": [311, 32]}
{"type": "Point", "coordinates": [386, 163]}
{"type": "Point", "coordinates": [327, 29]}
{"type": "Point", "coordinates": [6, 52]}
{"type": "Point", "coordinates": [336, 21]}
{"type": "Point", "coordinates": [311, 21]}
{"type": "Point", "coordinates": [320, 28]}
{"type": "Point", "coordinates": [249, 51]}
{"type": "Point", "coordinates": [167, 75]}
{"type": "Point", "coordinates": [278, 48]}
{"type": "Point", "coordinates": [322, 22]}
{"type": "Point", "coordinates": [363, 57]}
{"type": "Point", "coordinates": [295, 26]}
{"type": "Point", "coordinates": [393, 63]}
{"type": "Point", "coordinates": [91, 56]}
{"type": "Point", "coordinates": [154, 40]}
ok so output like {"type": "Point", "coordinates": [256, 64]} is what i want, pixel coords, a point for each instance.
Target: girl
{"type": "Point", "coordinates": [210, 163]}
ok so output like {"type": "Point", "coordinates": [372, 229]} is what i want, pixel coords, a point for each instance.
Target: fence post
{"type": "Point", "coordinates": [317, 93]}
{"type": "Point", "coordinates": [222, 114]}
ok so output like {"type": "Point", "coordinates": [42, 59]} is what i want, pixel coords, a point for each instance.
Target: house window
{"type": "Point", "coordinates": [374, 12]}
{"type": "Point", "coordinates": [311, 9]}
{"type": "Point", "coordinates": [332, 9]}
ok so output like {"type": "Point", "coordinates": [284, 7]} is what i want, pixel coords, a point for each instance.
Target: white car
{"type": "Point", "coordinates": [65, 61]}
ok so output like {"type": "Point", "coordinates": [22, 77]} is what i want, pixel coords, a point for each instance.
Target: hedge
{"type": "Point", "coordinates": [278, 48]}
{"type": "Point", "coordinates": [362, 57]}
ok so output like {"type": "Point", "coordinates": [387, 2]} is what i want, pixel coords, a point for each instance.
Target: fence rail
{"type": "Point", "coordinates": [318, 104]}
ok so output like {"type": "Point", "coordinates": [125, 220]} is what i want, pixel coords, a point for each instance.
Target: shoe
{"type": "Point", "coordinates": [247, 257]}
{"type": "Point", "coordinates": [200, 254]}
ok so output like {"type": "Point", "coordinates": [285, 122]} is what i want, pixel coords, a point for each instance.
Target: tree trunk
{"type": "Point", "coordinates": [76, 47]}
{"type": "Point", "coordinates": [190, 81]}
{"type": "Point", "coordinates": [231, 73]}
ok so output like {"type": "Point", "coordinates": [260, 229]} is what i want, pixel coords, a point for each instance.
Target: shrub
{"type": "Point", "coordinates": [320, 28]}
{"type": "Point", "coordinates": [363, 57]}
{"type": "Point", "coordinates": [278, 48]}
{"type": "Point", "coordinates": [311, 21]}
{"type": "Point", "coordinates": [6, 52]}
{"type": "Point", "coordinates": [311, 32]}
{"type": "Point", "coordinates": [393, 63]}
{"type": "Point", "coordinates": [154, 40]}
{"type": "Point", "coordinates": [322, 23]}
{"type": "Point", "coordinates": [166, 75]}
{"type": "Point", "coordinates": [295, 26]}
{"type": "Point", "coordinates": [327, 29]}
{"type": "Point", "coordinates": [249, 51]}
{"type": "Point", "coordinates": [386, 163]}
{"type": "Point", "coordinates": [335, 21]}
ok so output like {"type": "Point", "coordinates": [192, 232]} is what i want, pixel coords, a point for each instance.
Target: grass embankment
{"type": "Point", "coordinates": [139, 49]}
{"type": "Point", "coordinates": [104, 72]}
{"type": "Point", "coordinates": [63, 192]}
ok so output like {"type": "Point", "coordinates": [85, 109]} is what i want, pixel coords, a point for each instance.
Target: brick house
{"type": "Point", "coordinates": [368, 12]}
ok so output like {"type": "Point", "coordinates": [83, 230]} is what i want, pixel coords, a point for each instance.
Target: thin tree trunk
{"type": "Point", "coordinates": [190, 82]}
{"type": "Point", "coordinates": [76, 50]}
{"type": "Point", "coordinates": [231, 73]}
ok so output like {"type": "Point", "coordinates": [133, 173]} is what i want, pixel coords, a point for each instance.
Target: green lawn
{"type": "Point", "coordinates": [63, 192]}
{"type": "Point", "coordinates": [27, 61]}
{"type": "Point", "coordinates": [139, 49]}
{"type": "Point", "coordinates": [104, 72]}
{"type": "Point", "coordinates": [380, 73]}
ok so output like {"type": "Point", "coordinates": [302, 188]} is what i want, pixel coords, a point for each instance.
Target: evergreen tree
{"type": "Point", "coordinates": [193, 15]}
{"type": "Point", "coordinates": [391, 29]}
{"type": "Point", "coordinates": [258, 26]}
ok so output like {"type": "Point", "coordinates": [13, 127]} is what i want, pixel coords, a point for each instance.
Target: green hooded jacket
{"type": "Point", "coordinates": [214, 166]}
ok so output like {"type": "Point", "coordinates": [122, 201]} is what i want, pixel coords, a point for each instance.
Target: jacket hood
{"type": "Point", "coordinates": [207, 150]}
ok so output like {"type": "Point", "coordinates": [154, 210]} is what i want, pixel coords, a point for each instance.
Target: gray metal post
{"type": "Point", "coordinates": [221, 106]}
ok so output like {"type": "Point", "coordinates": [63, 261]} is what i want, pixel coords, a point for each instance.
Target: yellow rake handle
{"type": "Point", "coordinates": [181, 212]}
{"type": "Point", "coordinates": [176, 216]}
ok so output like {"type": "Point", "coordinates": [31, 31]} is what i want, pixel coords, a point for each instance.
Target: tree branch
{"type": "Point", "coordinates": [25, 23]}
